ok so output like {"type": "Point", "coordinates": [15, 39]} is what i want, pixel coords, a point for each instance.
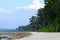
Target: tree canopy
{"type": "Point", "coordinates": [47, 18]}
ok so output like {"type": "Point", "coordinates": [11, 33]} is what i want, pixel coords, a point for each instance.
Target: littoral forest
{"type": "Point", "coordinates": [46, 20]}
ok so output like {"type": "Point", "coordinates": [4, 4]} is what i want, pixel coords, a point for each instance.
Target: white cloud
{"type": "Point", "coordinates": [35, 5]}
{"type": "Point", "coordinates": [4, 10]}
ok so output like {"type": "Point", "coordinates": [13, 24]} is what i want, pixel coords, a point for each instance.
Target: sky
{"type": "Point", "coordinates": [14, 13]}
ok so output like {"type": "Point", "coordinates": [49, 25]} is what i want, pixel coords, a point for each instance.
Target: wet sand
{"type": "Point", "coordinates": [13, 35]}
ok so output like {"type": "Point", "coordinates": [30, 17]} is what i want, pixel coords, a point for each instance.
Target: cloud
{"type": "Point", "coordinates": [4, 10]}
{"type": "Point", "coordinates": [34, 5]}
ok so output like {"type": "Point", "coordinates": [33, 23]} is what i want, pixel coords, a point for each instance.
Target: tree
{"type": "Point", "coordinates": [34, 23]}
{"type": "Point", "coordinates": [51, 13]}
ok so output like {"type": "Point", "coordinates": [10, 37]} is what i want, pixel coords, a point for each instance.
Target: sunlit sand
{"type": "Point", "coordinates": [42, 36]}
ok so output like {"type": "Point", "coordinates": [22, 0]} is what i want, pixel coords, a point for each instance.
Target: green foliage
{"type": "Point", "coordinates": [51, 14]}
{"type": "Point", "coordinates": [49, 28]}
{"type": "Point", "coordinates": [34, 23]}
{"type": "Point", "coordinates": [47, 19]}
{"type": "Point", "coordinates": [57, 23]}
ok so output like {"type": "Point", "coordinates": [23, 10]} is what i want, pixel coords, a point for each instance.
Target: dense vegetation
{"type": "Point", "coordinates": [47, 19]}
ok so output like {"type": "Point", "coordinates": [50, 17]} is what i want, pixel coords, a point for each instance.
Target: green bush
{"type": "Point", "coordinates": [49, 28]}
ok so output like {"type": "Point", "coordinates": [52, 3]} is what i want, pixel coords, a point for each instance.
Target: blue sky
{"type": "Point", "coordinates": [14, 13]}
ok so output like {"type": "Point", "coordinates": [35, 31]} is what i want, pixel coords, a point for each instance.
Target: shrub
{"type": "Point", "coordinates": [49, 28]}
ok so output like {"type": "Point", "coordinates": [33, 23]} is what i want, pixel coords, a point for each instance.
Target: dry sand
{"type": "Point", "coordinates": [42, 36]}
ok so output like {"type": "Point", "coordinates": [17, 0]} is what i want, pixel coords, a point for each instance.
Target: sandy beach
{"type": "Point", "coordinates": [42, 36]}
